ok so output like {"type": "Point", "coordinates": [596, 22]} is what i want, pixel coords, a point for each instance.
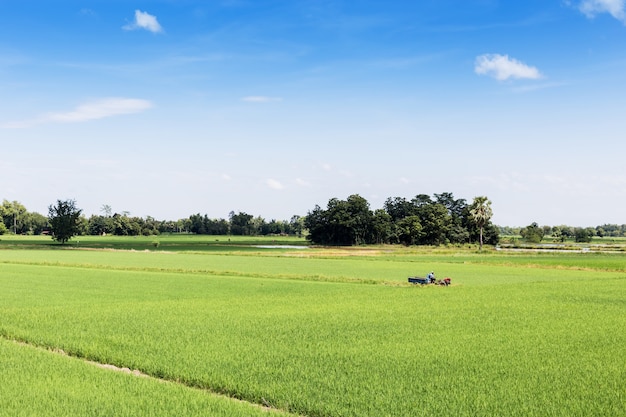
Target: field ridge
{"type": "Point", "coordinates": [137, 373]}
{"type": "Point", "coordinates": [217, 273]}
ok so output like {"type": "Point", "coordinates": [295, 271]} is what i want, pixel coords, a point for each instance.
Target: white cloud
{"type": "Point", "coordinates": [501, 67]}
{"type": "Point", "coordinates": [539, 86]}
{"type": "Point", "coordinates": [302, 183]}
{"type": "Point", "coordinates": [146, 21]}
{"type": "Point", "coordinates": [99, 109]}
{"type": "Point", "coordinates": [615, 8]}
{"type": "Point", "coordinates": [273, 184]}
{"type": "Point", "coordinates": [260, 99]}
{"type": "Point", "coordinates": [226, 177]}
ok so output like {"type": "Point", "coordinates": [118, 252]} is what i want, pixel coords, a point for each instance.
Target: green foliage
{"type": "Point", "coordinates": [481, 213]}
{"type": "Point", "coordinates": [16, 219]}
{"type": "Point", "coordinates": [584, 235]}
{"type": "Point", "coordinates": [241, 224]}
{"type": "Point", "coordinates": [532, 233]}
{"type": "Point", "coordinates": [409, 230]}
{"type": "Point", "coordinates": [420, 221]}
{"type": "Point", "coordinates": [64, 218]}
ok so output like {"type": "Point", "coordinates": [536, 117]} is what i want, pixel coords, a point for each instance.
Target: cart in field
{"type": "Point", "coordinates": [429, 281]}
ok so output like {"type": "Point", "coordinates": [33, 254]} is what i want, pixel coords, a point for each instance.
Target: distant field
{"type": "Point", "coordinates": [312, 332]}
{"type": "Point", "coordinates": [173, 242]}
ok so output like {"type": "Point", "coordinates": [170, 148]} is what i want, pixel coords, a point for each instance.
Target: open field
{"type": "Point", "coordinates": [311, 332]}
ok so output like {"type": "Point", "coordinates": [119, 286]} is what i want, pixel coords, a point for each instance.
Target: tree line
{"type": "Point", "coordinates": [16, 219]}
{"type": "Point", "coordinates": [534, 233]}
{"type": "Point", "coordinates": [421, 220]}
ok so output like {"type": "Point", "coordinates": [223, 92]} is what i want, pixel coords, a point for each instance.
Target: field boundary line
{"type": "Point", "coordinates": [284, 277]}
{"type": "Point", "coordinates": [139, 374]}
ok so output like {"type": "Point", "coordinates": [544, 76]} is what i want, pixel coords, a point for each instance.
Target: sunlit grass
{"type": "Point", "coordinates": [510, 337]}
{"type": "Point", "coordinates": [42, 384]}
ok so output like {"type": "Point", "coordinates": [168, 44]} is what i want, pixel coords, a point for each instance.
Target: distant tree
{"type": "Point", "coordinates": [296, 224]}
{"type": "Point", "coordinates": [558, 235]}
{"type": "Point", "coordinates": [584, 235]}
{"type": "Point", "coordinates": [435, 222]}
{"type": "Point", "coordinates": [241, 223]}
{"type": "Point", "coordinates": [532, 233]}
{"type": "Point", "coordinates": [257, 225]}
{"type": "Point", "coordinates": [481, 213]}
{"type": "Point", "coordinates": [361, 218]}
{"type": "Point", "coordinates": [399, 208]}
{"type": "Point", "coordinates": [565, 231]}
{"type": "Point", "coordinates": [35, 223]}
{"type": "Point", "coordinates": [421, 200]}
{"type": "Point", "coordinates": [457, 209]}
{"type": "Point", "coordinates": [381, 226]}
{"type": "Point", "coordinates": [409, 230]}
{"type": "Point", "coordinates": [14, 216]}
{"type": "Point", "coordinates": [64, 218]}
{"type": "Point", "coordinates": [339, 224]}
{"type": "Point", "coordinates": [344, 222]}
{"type": "Point", "coordinates": [106, 209]}
{"type": "Point", "coordinates": [317, 224]}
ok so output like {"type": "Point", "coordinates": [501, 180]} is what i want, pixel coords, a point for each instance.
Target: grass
{"type": "Point", "coordinates": [314, 332]}
{"type": "Point", "coordinates": [40, 383]}
{"type": "Point", "coordinates": [165, 242]}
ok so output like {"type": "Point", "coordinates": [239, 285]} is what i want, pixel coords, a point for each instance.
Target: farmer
{"type": "Point", "coordinates": [430, 277]}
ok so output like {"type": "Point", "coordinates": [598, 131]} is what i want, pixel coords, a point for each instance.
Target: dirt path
{"type": "Point", "coordinates": [109, 367]}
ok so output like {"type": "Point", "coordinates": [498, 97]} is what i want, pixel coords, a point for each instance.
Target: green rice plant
{"type": "Point", "coordinates": [42, 384]}
{"type": "Point", "coordinates": [317, 265]}
{"type": "Point", "coordinates": [505, 340]}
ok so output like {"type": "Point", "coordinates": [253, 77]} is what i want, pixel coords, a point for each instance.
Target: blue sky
{"type": "Point", "coordinates": [170, 108]}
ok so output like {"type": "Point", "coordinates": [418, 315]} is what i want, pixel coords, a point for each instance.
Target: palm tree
{"type": "Point", "coordinates": [481, 213]}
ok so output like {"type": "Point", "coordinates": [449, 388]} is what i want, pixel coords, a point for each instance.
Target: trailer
{"type": "Point", "coordinates": [427, 281]}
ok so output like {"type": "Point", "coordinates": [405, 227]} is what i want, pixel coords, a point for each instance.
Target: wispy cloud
{"type": "Point", "coordinates": [99, 109]}
{"type": "Point", "coordinates": [536, 87]}
{"type": "Point", "coordinates": [502, 67]}
{"type": "Point", "coordinates": [87, 12]}
{"type": "Point", "coordinates": [260, 99]}
{"type": "Point", "coordinates": [302, 183]}
{"type": "Point", "coordinates": [616, 8]}
{"type": "Point", "coordinates": [144, 20]}
{"type": "Point", "coordinates": [274, 184]}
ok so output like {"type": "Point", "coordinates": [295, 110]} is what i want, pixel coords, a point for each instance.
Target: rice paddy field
{"type": "Point", "coordinates": [194, 326]}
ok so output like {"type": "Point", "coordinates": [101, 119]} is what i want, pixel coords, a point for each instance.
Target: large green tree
{"type": "Point", "coordinates": [13, 215]}
{"type": "Point", "coordinates": [344, 222]}
{"type": "Point", "coordinates": [481, 213]}
{"type": "Point", "coordinates": [241, 224]}
{"type": "Point", "coordinates": [64, 218]}
{"type": "Point", "coordinates": [419, 221]}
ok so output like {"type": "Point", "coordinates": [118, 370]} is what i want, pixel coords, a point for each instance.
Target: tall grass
{"type": "Point", "coordinates": [504, 340]}
{"type": "Point", "coordinates": [45, 384]}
